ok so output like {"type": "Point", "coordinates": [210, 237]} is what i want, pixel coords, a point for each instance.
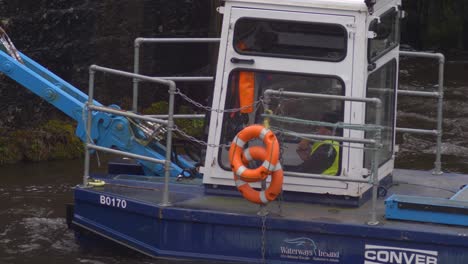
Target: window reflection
{"type": "Point", "coordinates": [382, 84]}
{"type": "Point", "coordinates": [290, 39]}
{"type": "Point", "coordinates": [291, 108]}
{"type": "Point", "coordinates": [387, 35]}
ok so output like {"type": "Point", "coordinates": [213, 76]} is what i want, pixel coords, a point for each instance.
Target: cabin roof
{"type": "Point", "coordinates": [354, 5]}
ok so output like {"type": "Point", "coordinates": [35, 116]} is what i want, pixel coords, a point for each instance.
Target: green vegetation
{"type": "Point", "coordinates": [54, 140]}
{"type": "Point", "coordinates": [9, 151]}
{"type": "Point", "coordinates": [158, 108]}
{"type": "Point", "coordinates": [193, 127]}
{"type": "Point", "coordinates": [61, 140]}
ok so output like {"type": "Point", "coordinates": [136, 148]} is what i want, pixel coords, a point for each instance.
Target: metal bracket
{"type": "Point", "coordinates": [370, 5]}
{"type": "Point", "coordinates": [371, 34]}
{"type": "Point", "coordinates": [365, 173]}
{"type": "Point", "coordinates": [402, 14]}
{"type": "Point", "coordinates": [372, 18]}
{"type": "Point", "coordinates": [351, 30]}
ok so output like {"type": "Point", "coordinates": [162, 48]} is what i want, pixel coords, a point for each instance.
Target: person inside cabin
{"type": "Point", "coordinates": [320, 157]}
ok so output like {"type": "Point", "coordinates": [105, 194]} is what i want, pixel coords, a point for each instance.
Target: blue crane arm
{"type": "Point", "coordinates": [45, 84]}
{"type": "Point", "coordinates": [108, 130]}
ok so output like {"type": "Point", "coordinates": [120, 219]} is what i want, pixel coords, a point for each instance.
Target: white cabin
{"type": "Point", "coordinates": [337, 47]}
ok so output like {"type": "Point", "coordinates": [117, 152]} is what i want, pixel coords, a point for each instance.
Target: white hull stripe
{"type": "Point", "coordinates": [263, 197]}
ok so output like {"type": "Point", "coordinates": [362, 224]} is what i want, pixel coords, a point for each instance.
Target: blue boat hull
{"type": "Point", "coordinates": [222, 236]}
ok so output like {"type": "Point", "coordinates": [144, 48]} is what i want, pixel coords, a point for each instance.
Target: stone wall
{"type": "Point", "coordinates": [66, 36]}
{"type": "Point", "coordinates": [436, 24]}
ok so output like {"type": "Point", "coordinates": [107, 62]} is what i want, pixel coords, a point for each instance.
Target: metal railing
{"type": "Point", "coordinates": [169, 123]}
{"type": "Point", "coordinates": [439, 95]}
{"type": "Point", "coordinates": [136, 61]}
{"type": "Point", "coordinates": [376, 142]}
{"type": "Point", "coordinates": [180, 116]}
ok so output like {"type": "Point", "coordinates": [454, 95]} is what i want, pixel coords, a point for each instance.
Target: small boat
{"type": "Point", "coordinates": [298, 165]}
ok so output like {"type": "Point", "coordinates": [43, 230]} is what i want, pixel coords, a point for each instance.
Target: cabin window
{"type": "Point", "coordinates": [290, 39]}
{"type": "Point", "coordinates": [382, 84]}
{"type": "Point", "coordinates": [387, 34]}
{"type": "Point", "coordinates": [295, 110]}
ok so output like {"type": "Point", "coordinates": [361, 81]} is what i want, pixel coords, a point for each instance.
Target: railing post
{"type": "Point", "coordinates": [136, 70]}
{"type": "Point", "coordinates": [170, 124]}
{"type": "Point", "coordinates": [375, 165]}
{"type": "Point", "coordinates": [170, 128]}
{"type": "Point", "coordinates": [440, 101]}
{"type": "Point", "coordinates": [88, 125]}
{"type": "Point", "coordinates": [437, 164]}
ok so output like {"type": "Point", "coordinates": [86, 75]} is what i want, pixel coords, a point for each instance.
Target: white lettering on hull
{"type": "Point", "coordinates": [394, 255]}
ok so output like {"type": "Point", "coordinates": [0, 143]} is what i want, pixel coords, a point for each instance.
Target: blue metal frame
{"type": "Point", "coordinates": [427, 209]}
{"type": "Point", "coordinates": [107, 130]}
{"type": "Point", "coordinates": [45, 84]}
{"type": "Point", "coordinates": [461, 195]}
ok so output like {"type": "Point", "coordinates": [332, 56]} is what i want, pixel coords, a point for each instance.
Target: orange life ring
{"type": "Point", "coordinates": [273, 190]}
{"type": "Point", "coordinates": [271, 156]}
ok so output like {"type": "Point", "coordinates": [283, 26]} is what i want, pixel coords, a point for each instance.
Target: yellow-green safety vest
{"type": "Point", "coordinates": [333, 169]}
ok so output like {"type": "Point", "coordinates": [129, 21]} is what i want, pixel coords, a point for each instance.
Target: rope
{"type": "Point", "coordinates": [9, 46]}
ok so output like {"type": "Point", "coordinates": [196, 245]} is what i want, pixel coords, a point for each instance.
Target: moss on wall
{"type": "Point", "coordinates": [191, 126]}
{"type": "Point", "coordinates": [54, 140]}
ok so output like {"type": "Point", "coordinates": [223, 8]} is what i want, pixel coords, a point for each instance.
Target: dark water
{"type": "Point", "coordinates": [418, 151]}
{"type": "Point", "coordinates": [32, 216]}
{"type": "Point", "coordinates": [32, 196]}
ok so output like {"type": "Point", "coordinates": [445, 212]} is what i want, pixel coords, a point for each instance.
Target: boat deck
{"type": "Point", "coordinates": [190, 195]}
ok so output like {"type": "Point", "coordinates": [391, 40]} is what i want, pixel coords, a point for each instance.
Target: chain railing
{"type": "Point", "coordinates": [255, 104]}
